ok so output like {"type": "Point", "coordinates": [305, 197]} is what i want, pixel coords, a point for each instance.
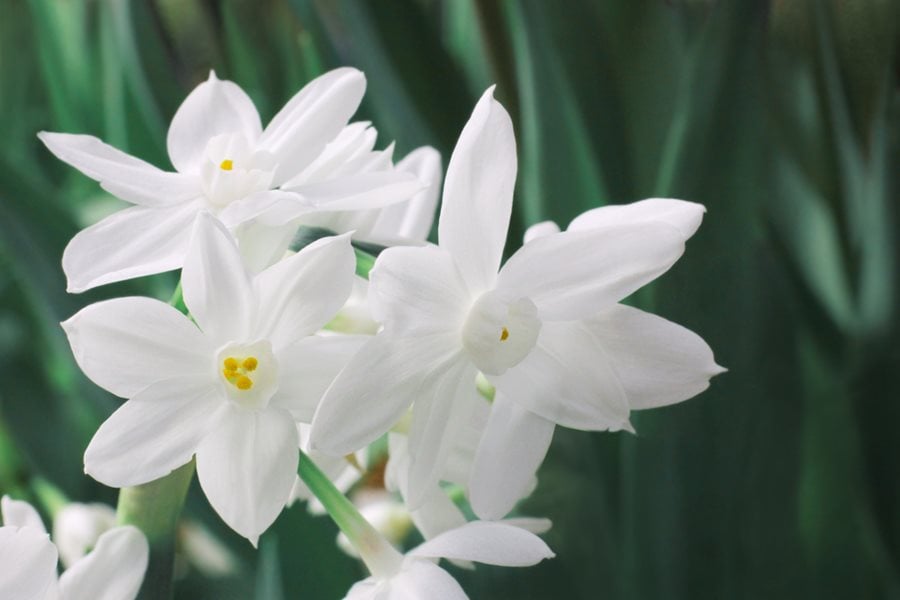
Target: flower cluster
{"type": "Point", "coordinates": [448, 369]}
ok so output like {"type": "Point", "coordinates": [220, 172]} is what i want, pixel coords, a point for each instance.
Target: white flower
{"type": "Point", "coordinates": [113, 570]}
{"type": "Point", "coordinates": [416, 575]}
{"type": "Point", "coordinates": [221, 155]}
{"type": "Point", "coordinates": [546, 331]}
{"type": "Point", "coordinates": [77, 527]}
{"type": "Point", "coordinates": [229, 388]}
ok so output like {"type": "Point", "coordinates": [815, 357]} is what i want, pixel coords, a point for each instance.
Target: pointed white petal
{"type": "Point", "coordinates": [300, 294]}
{"type": "Point", "coordinates": [489, 543]}
{"type": "Point", "coordinates": [272, 208]}
{"type": "Point", "coordinates": [682, 215]}
{"type": "Point", "coordinates": [125, 344]}
{"type": "Point", "coordinates": [478, 193]}
{"type": "Point", "coordinates": [131, 243]}
{"type": "Point", "coordinates": [418, 289]}
{"type": "Point", "coordinates": [114, 570]}
{"type": "Point", "coordinates": [657, 361]}
{"type": "Point", "coordinates": [539, 230]}
{"type": "Point", "coordinates": [247, 466]}
{"type": "Point", "coordinates": [572, 275]}
{"type": "Point", "coordinates": [311, 119]}
{"type": "Point", "coordinates": [363, 191]}
{"type": "Point", "coordinates": [412, 220]}
{"type": "Point", "coordinates": [154, 433]}
{"type": "Point", "coordinates": [17, 513]}
{"type": "Point", "coordinates": [213, 108]}
{"type": "Point", "coordinates": [375, 388]}
{"type": "Point", "coordinates": [216, 285]}
{"type": "Point", "coordinates": [120, 174]}
{"type": "Point", "coordinates": [310, 366]}
{"type": "Point", "coordinates": [29, 564]}
{"type": "Point", "coordinates": [444, 406]}
{"type": "Point", "coordinates": [567, 379]}
{"type": "Point", "coordinates": [512, 448]}
{"type": "Point", "coordinates": [421, 579]}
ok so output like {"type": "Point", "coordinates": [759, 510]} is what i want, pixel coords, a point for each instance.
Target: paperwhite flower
{"type": "Point", "coordinates": [229, 388]}
{"type": "Point", "coordinates": [416, 575]}
{"type": "Point", "coordinates": [77, 527]}
{"type": "Point", "coordinates": [221, 155]}
{"type": "Point", "coordinates": [448, 314]}
{"type": "Point", "coordinates": [114, 569]}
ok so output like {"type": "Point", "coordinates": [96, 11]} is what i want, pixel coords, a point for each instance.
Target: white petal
{"type": "Point", "coordinates": [300, 294]}
{"type": "Point", "coordinates": [574, 274]}
{"type": "Point", "coordinates": [125, 344]}
{"type": "Point", "coordinates": [311, 119]}
{"type": "Point", "coordinates": [422, 579]}
{"type": "Point", "coordinates": [154, 433]}
{"type": "Point", "coordinates": [444, 406]}
{"type": "Point", "coordinates": [512, 448]}
{"type": "Point", "coordinates": [114, 570]}
{"type": "Point", "coordinates": [262, 246]}
{"type": "Point", "coordinates": [215, 282]}
{"type": "Point", "coordinates": [657, 361]}
{"type": "Point", "coordinates": [29, 564]}
{"type": "Point", "coordinates": [539, 230]}
{"type": "Point", "coordinates": [272, 208]}
{"type": "Point", "coordinates": [489, 543]}
{"type": "Point", "coordinates": [567, 379]}
{"type": "Point", "coordinates": [120, 174]}
{"type": "Point", "coordinates": [214, 107]}
{"type": "Point", "coordinates": [683, 216]}
{"type": "Point", "coordinates": [17, 513]}
{"type": "Point", "coordinates": [478, 193]}
{"type": "Point", "coordinates": [412, 220]}
{"type": "Point", "coordinates": [310, 366]}
{"type": "Point", "coordinates": [131, 243]}
{"type": "Point", "coordinates": [418, 289]}
{"type": "Point", "coordinates": [375, 388]}
{"type": "Point", "coordinates": [363, 191]}
{"type": "Point", "coordinates": [247, 467]}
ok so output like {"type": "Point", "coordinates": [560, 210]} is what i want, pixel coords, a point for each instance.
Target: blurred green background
{"type": "Point", "coordinates": [782, 117]}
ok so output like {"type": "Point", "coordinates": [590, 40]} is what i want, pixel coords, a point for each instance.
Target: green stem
{"type": "Point", "coordinates": [380, 557]}
{"type": "Point", "coordinates": [154, 508]}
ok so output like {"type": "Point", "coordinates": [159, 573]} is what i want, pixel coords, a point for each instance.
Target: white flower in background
{"type": "Point", "coordinates": [77, 527]}
{"type": "Point", "coordinates": [385, 512]}
{"type": "Point", "coordinates": [227, 384]}
{"type": "Point", "coordinates": [448, 314]}
{"type": "Point", "coordinates": [221, 154]}
{"type": "Point", "coordinates": [113, 570]}
{"type": "Point", "coordinates": [416, 575]}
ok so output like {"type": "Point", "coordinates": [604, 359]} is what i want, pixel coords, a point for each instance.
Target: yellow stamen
{"type": "Point", "coordinates": [243, 383]}
{"type": "Point", "coordinates": [250, 363]}
{"type": "Point", "coordinates": [504, 334]}
{"type": "Point", "coordinates": [226, 165]}
{"type": "Point", "coordinates": [235, 371]}
{"type": "Point", "coordinates": [231, 363]}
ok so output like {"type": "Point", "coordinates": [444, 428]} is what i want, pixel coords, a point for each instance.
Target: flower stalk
{"type": "Point", "coordinates": [154, 508]}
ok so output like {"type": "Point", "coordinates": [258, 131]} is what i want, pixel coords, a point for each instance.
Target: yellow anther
{"type": "Point", "coordinates": [226, 165]}
{"type": "Point", "coordinates": [250, 363]}
{"type": "Point", "coordinates": [243, 383]}
{"type": "Point", "coordinates": [231, 364]}
{"type": "Point", "coordinates": [504, 334]}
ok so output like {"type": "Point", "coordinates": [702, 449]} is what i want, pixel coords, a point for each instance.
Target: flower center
{"type": "Point", "coordinates": [249, 373]}
{"type": "Point", "coordinates": [499, 332]}
{"type": "Point", "coordinates": [233, 169]}
{"type": "Point", "coordinates": [226, 165]}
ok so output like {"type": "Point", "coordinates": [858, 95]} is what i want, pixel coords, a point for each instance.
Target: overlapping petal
{"type": "Point", "coordinates": [573, 274]}
{"type": "Point", "coordinates": [512, 448]}
{"type": "Point", "coordinates": [419, 579]}
{"type": "Point", "coordinates": [412, 220]}
{"type": "Point", "coordinates": [155, 432]}
{"type": "Point", "coordinates": [29, 564]}
{"type": "Point", "coordinates": [17, 513]}
{"type": "Point", "coordinates": [114, 570]}
{"type": "Point", "coordinates": [125, 344]}
{"type": "Point", "coordinates": [247, 466]}
{"type": "Point", "coordinates": [492, 543]}
{"type": "Point", "coordinates": [680, 214]}
{"type": "Point", "coordinates": [658, 362]}
{"type": "Point", "coordinates": [478, 193]}
{"type": "Point", "coordinates": [298, 295]}
{"type": "Point", "coordinates": [216, 284]}
{"type": "Point", "coordinates": [131, 243]}
{"type": "Point", "coordinates": [214, 107]}
{"type": "Point", "coordinates": [120, 174]}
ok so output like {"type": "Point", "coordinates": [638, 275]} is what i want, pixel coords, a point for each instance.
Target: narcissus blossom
{"type": "Point", "coordinates": [222, 156]}
{"type": "Point", "coordinates": [113, 570]}
{"type": "Point", "coordinates": [416, 574]}
{"type": "Point", "coordinates": [545, 330]}
{"type": "Point", "coordinates": [228, 384]}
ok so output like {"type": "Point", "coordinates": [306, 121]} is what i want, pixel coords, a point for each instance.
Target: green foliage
{"type": "Point", "coordinates": [779, 482]}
